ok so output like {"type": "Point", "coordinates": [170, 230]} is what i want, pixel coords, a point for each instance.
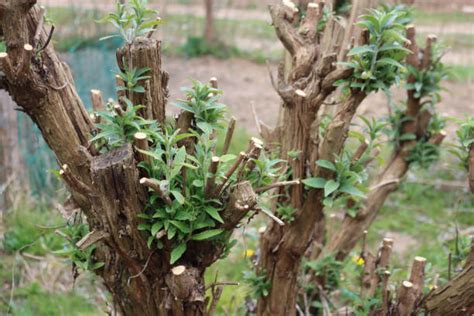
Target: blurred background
{"type": "Point", "coordinates": [234, 48]}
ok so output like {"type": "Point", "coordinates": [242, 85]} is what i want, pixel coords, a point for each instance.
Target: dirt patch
{"type": "Point", "coordinates": [403, 244]}
{"type": "Point", "coordinates": [243, 82]}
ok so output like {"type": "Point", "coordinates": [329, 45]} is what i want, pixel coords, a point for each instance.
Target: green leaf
{"type": "Point", "coordinates": [138, 89]}
{"type": "Point", "coordinates": [207, 234]}
{"type": "Point", "coordinates": [177, 253]}
{"type": "Point", "coordinates": [143, 227]}
{"type": "Point", "coordinates": [178, 196]}
{"type": "Point", "coordinates": [98, 265]}
{"type": "Point", "coordinates": [178, 162]}
{"type": "Point", "coordinates": [150, 241]}
{"type": "Point", "coordinates": [390, 61]}
{"type": "Point", "coordinates": [361, 50]}
{"type": "Point", "coordinates": [394, 46]}
{"type": "Point", "coordinates": [198, 183]}
{"type": "Point", "coordinates": [330, 187]}
{"type": "Point", "coordinates": [317, 183]}
{"type": "Point", "coordinates": [227, 158]}
{"type": "Point", "coordinates": [156, 228]}
{"type": "Point", "coordinates": [181, 226]}
{"type": "Point", "coordinates": [214, 214]}
{"type": "Point", "coordinates": [408, 136]}
{"type": "Point", "coordinates": [182, 215]}
{"type": "Point", "coordinates": [326, 164]}
{"type": "Point", "coordinates": [349, 189]}
{"type": "Point", "coordinates": [351, 212]}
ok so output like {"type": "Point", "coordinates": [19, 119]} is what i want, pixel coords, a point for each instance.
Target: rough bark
{"type": "Point", "coordinates": [455, 298]}
{"type": "Point", "coordinates": [309, 82]}
{"type": "Point", "coordinates": [145, 52]}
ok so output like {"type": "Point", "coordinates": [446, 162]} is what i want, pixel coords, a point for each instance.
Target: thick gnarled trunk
{"type": "Point", "coordinates": [107, 187]}
{"type": "Point", "coordinates": [303, 92]}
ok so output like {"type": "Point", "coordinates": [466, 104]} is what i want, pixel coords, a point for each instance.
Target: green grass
{"type": "Point", "coordinates": [32, 300]}
{"type": "Point", "coordinates": [426, 215]}
{"type": "Point", "coordinates": [462, 73]}
{"type": "Point", "coordinates": [31, 229]}
{"type": "Point", "coordinates": [422, 17]}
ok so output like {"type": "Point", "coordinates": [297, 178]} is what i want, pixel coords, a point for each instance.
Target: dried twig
{"type": "Point", "coordinates": [142, 270]}
{"type": "Point", "coordinates": [97, 100]}
{"type": "Point", "coordinates": [229, 173]}
{"type": "Point", "coordinates": [277, 185]}
{"type": "Point", "coordinates": [228, 136]}
{"type": "Point", "coordinates": [72, 181]}
{"type": "Point", "coordinates": [211, 181]}
{"type": "Point", "coordinates": [155, 186]}
{"type": "Point", "coordinates": [141, 143]}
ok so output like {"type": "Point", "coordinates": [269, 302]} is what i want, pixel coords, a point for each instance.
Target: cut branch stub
{"type": "Point", "coordinates": [186, 284]}
{"type": "Point", "coordinates": [406, 299]}
{"type": "Point", "coordinates": [229, 135]}
{"type": "Point", "coordinates": [91, 238]}
{"type": "Point", "coordinates": [155, 186]}
{"type": "Point", "coordinates": [360, 151]}
{"type": "Point", "coordinates": [242, 200]}
{"type": "Point", "coordinates": [141, 143]}
{"type": "Point", "coordinates": [385, 253]}
{"type": "Point", "coordinates": [97, 100]}
{"type": "Point", "coordinates": [145, 52]}
{"type": "Point", "coordinates": [230, 172]}
{"type": "Point", "coordinates": [119, 197]}
{"type": "Point", "coordinates": [211, 181]}
{"type": "Point", "coordinates": [417, 276]}
{"type": "Point", "coordinates": [213, 82]}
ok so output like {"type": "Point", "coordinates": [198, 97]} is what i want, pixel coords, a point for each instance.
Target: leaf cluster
{"type": "Point", "coordinates": [132, 19]}
{"type": "Point", "coordinates": [377, 65]}
{"type": "Point", "coordinates": [362, 306]}
{"type": "Point", "coordinates": [329, 268]}
{"type": "Point", "coordinates": [115, 130]}
{"type": "Point", "coordinates": [203, 101]}
{"type": "Point", "coordinates": [191, 215]}
{"type": "Point", "coordinates": [465, 135]}
{"type": "Point", "coordinates": [396, 120]}
{"type": "Point", "coordinates": [258, 282]}
{"type": "Point", "coordinates": [347, 181]}
{"type": "Point", "coordinates": [183, 210]}
{"type": "Point", "coordinates": [373, 128]}
{"type": "Point", "coordinates": [427, 83]}
{"type": "Point", "coordinates": [423, 154]}
{"type": "Point", "coordinates": [82, 259]}
{"type": "Point", "coordinates": [132, 77]}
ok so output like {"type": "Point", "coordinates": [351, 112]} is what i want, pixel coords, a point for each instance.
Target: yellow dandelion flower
{"type": "Point", "coordinates": [358, 260]}
{"type": "Point", "coordinates": [249, 253]}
